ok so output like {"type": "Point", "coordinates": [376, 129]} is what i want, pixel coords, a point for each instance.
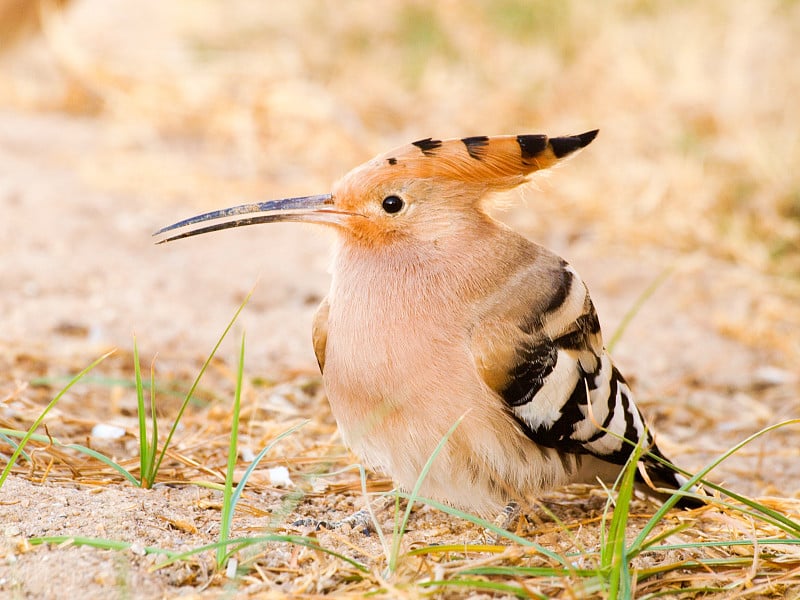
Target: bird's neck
{"type": "Point", "coordinates": [455, 266]}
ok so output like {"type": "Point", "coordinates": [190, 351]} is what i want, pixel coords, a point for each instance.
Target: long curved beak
{"type": "Point", "coordinates": [314, 209]}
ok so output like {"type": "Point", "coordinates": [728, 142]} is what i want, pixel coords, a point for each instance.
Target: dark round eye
{"type": "Point", "coordinates": [392, 204]}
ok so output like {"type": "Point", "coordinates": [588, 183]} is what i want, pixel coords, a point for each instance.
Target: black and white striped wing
{"type": "Point", "coordinates": [560, 383]}
{"type": "Point", "coordinates": [551, 370]}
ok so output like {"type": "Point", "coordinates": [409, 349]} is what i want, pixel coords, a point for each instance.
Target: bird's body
{"type": "Point", "coordinates": [412, 344]}
{"type": "Point", "coordinates": [385, 375]}
{"type": "Point", "coordinates": [438, 313]}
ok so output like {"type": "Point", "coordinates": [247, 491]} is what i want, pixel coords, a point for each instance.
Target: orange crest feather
{"type": "Point", "coordinates": [499, 162]}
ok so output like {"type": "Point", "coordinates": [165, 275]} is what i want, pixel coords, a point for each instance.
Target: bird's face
{"type": "Point", "coordinates": [421, 192]}
{"type": "Point", "coordinates": [386, 205]}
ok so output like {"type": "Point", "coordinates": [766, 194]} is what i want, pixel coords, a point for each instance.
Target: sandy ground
{"type": "Point", "coordinates": [86, 276]}
{"type": "Point", "coordinates": [712, 355]}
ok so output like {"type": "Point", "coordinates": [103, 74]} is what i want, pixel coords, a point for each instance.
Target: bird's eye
{"type": "Point", "coordinates": [392, 204]}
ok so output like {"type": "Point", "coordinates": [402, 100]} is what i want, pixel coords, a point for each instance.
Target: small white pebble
{"type": "Point", "coordinates": [319, 485]}
{"type": "Point", "coordinates": [279, 477]}
{"type": "Point", "coordinates": [137, 548]}
{"type": "Point", "coordinates": [230, 569]}
{"type": "Point", "coordinates": [107, 432]}
{"type": "Point", "coordinates": [246, 453]}
{"type": "Point", "coordinates": [30, 288]}
{"type": "Point", "coordinates": [11, 531]}
{"type": "Point", "coordinates": [279, 401]}
{"type": "Point", "coordinates": [770, 375]}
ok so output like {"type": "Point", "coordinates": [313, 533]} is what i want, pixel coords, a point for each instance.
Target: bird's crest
{"type": "Point", "coordinates": [499, 162]}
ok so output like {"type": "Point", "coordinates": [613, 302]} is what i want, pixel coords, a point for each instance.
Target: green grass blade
{"type": "Point", "coordinates": [104, 459]}
{"type": "Point", "coordinates": [517, 571]}
{"type": "Point", "coordinates": [398, 537]}
{"type": "Point", "coordinates": [101, 543]}
{"type": "Point", "coordinates": [172, 557]}
{"type": "Point", "coordinates": [765, 542]}
{"type": "Point", "coordinates": [499, 531]}
{"type": "Point", "coordinates": [665, 534]}
{"type": "Point", "coordinates": [362, 473]}
{"type": "Point", "coordinates": [240, 543]}
{"type": "Point", "coordinates": [687, 592]}
{"type": "Point", "coordinates": [637, 306]}
{"type": "Point", "coordinates": [764, 512]}
{"type": "Point", "coordinates": [227, 493]}
{"type": "Point", "coordinates": [759, 511]}
{"type": "Point", "coordinates": [14, 446]}
{"type": "Point", "coordinates": [45, 439]}
{"type": "Point", "coordinates": [107, 382]}
{"type": "Point", "coordinates": [43, 414]}
{"type": "Point", "coordinates": [196, 382]}
{"type": "Point", "coordinates": [243, 481]}
{"type": "Point", "coordinates": [613, 555]}
{"type": "Point", "coordinates": [144, 453]}
{"type": "Point", "coordinates": [459, 549]}
{"type": "Point", "coordinates": [696, 564]}
{"type": "Point", "coordinates": [153, 448]}
{"type": "Point", "coordinates": [565, 529]}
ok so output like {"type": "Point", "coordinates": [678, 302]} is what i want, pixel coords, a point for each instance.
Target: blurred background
{"type": "Point", "coordinates": [117, 118]}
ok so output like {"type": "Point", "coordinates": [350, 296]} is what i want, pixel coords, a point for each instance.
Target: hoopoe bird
{"type": "Point", "coordinates": [437, 312]}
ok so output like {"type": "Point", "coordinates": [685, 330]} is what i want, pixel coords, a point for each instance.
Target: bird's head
{"type": "Point", "coordinates": [418, 191]}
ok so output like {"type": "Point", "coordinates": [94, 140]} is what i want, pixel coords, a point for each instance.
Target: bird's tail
{"type": "Point", "coordinates": [657, 479]}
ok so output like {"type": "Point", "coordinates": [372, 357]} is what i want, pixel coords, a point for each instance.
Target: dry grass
{"type": "Point", "coordinates": [705, 551]}
{"type": "Point", "coordinates": [696, 166]}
